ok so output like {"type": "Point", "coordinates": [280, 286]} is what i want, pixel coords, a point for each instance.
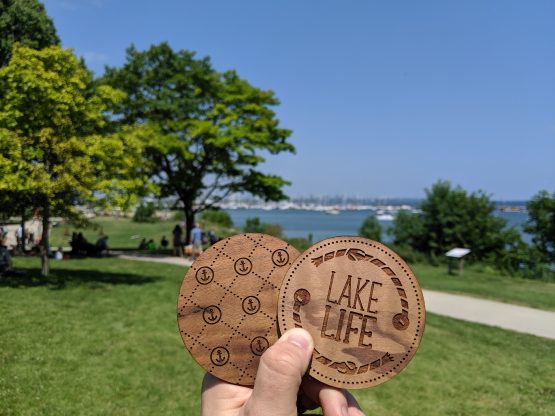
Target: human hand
{"type": "Point", "coordinates": [279, 387]}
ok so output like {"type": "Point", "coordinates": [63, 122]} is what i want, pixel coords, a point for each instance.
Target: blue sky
{"type": "Point", "coordinates": [384, 98]}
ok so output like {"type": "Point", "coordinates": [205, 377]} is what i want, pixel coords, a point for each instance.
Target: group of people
{"type": "Point", "coordinates": [81, 247]}
{"type": "Point", "coordinates": [193, 247]}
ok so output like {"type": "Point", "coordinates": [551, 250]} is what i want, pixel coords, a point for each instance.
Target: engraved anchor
{"type": "Point", "coordinates": [280, 257]}
{"type": "Point", "coordinates": [259, 348]}
{"type": "Point", "coordinates": [251, 307]}
{"type": "Point", "coordinates": [205, 276]}
{"type": "Point", "coordinates": [242, 266]}
{"type": "Point", "coordinates": [220, 358]}
{"type": "Point", "coordinates": [212, 317]}
{"type": "Point", "coordinates": [259, 345]}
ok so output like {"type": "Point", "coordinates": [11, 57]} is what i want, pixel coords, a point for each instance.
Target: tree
{"type": "Point", "coordinates": [371, 228]}
{"type": "Point", "coordinates": [209, 127]}
{"type": "Point", "coordinates": [541, 223]}
{"type": "Point", "coordinates": [55, 145]}
{"type": "Point", "coordinates": [26, 22]}
{"type": "Point", "coordinates": [453, 218]}
{"type": "Point", "coordinates": [408, 230]}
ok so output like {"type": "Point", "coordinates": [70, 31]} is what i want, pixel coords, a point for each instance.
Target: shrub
{"type": "Point", "coordinates": [145, 213]}
{"type": "Point", "coordinates": [218, 217]}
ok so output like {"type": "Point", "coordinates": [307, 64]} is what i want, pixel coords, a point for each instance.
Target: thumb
{"type": "Point", "coordinates": [279, 375]}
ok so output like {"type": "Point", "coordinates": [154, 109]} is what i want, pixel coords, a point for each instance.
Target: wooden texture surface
{"type": "Point", "coordinates": [226, 309]}
{"type": "Point", "coordinates": [363, 306]}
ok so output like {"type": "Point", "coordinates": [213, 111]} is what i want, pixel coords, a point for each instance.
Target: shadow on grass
{"type": "Point", "coordinates": [60, 278]}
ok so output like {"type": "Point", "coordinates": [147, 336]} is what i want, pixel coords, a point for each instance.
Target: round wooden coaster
{"type": "Point", "coordinates": [226, 309]}
{"type": "Point", "coordinates": [362, 305]}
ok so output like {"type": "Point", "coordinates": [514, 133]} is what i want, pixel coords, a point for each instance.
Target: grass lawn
{"type": "Point", "coordinates": [122, 232]}
{"type": "Point", "coordinates": [488, 284]}
{"type": "Point", "coordinates": [100, 337]}
{"type": "Point", "coordinates": [477, 281]}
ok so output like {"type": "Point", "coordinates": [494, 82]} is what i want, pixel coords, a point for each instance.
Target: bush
{"type": "Point", "coordinates": [253, 225]}
{"type": "Point", "coordinates": [299, 243]}
{"type": "Point", "coordinates": [217, 217]}
{"type": "Point", "coordinates": [371, 229]}
{"type": "Point", "coordinates": [145, 213]}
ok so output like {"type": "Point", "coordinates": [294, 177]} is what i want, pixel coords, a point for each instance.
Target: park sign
{"type": "Point", "coordinates": [358, 299]}
{"type": "Point", "coordinates": [458, 252]}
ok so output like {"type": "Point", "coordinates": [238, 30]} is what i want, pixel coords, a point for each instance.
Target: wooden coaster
{"type": "Point", "coordinates": [226, 309]}
{"type": "Point", "coordinates": [362, 305]}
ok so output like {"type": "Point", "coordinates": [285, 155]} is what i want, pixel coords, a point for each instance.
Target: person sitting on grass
{"type": "Point", "coordinates": [6, 265]}
{"type": "Point", "coordinates": [164, 242]}
{"type": "Point", "coordinates": [142, 244]}
{"type": "Point", "coordinates": [151, 246]}
{"type": "Point", "coordinates": [102, 245]}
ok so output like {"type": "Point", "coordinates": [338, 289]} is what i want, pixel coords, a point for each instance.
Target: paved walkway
{"type": "Point", "coordinates": [488, 312]}
{"type": "Point", "coordinates": [178, 261]}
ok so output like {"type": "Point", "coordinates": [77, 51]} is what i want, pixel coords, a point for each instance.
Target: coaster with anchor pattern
{"type": "Point", "coordinates": [226, 309]}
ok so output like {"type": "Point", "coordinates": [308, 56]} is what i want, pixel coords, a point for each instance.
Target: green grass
{"type": "Point", "coordinates": [126, 234]}
{"type": "Point", "coordinates": [477, 281]}
{"type": "Point", "coordinates": [488, 284]}
{"type": "Point", "coordinates": [122, 232]}
{"type": "Point", "coordinates": [100, 337]}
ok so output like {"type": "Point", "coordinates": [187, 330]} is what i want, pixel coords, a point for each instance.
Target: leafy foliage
{"type": "Point", "coordinates": [55, 146]}
{"type": "Point", "coordinates": [541, 224]}
{"type": "Point", "coordinates": [208, 128]}
{"type": "Point", "coordinates": [253, 225]}
{"type": "Point", "coordinates": [453, 218]}
{"type": "Point", "coordinates": [371, 228]}
{"type": "Point", "coordinates": [26, 22]}
{"type": "Point", "coordinates": [216, 216]}
{"type": "Point", "coordinates": [145, 213]}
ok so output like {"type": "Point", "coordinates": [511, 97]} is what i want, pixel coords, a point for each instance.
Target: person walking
{"type": "Point", "coordinates": [177, 244]}
{"type": "Point", "coordinates": [196, 240]}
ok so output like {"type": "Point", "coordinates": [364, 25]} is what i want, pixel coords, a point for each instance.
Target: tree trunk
{"type": "Point", "coordinates": [22, 248]}
{"type": "Point", "coordinates": [189, 223]}
{"type": "Point", "coordinates": [44, 243]}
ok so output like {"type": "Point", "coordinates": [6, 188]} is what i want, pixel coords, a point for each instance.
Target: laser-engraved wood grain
{"type": "Point", "coordinates": [226, 309]}
{"type": "Point", "coordinates": [362, 305]}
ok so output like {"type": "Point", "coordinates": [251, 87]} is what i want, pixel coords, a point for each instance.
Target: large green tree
{"type": "Point", "coordinates": [56, 147]}
{"type": "Point", "coordinates": [24, 22]}
{"type": "Point", "coordinates": [210, 129]}
{"type": "Point", "coordinates": [450, 217]}
{"type": "Point", "coordinates": [541, 223]}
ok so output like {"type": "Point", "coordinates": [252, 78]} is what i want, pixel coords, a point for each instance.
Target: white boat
{"type": "Point", "coordinates": [384, 217]}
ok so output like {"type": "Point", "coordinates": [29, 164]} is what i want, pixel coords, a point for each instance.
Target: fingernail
{"type": "Point", "coordinates": [299, 339]}
{"type": "Point", "coordinates": [344, 411]}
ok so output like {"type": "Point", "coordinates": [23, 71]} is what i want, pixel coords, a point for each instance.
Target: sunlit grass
{"type": "Point", "coordinates": [481, 282]}
{"type": "Point", "coordinates": [100, 337]}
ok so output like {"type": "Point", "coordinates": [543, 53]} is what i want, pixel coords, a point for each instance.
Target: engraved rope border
{"type": "Point", "coordinates": [337, 253]}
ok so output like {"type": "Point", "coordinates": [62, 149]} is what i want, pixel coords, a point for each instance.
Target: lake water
{"type": "Point", "coordinates": [299, 223]}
